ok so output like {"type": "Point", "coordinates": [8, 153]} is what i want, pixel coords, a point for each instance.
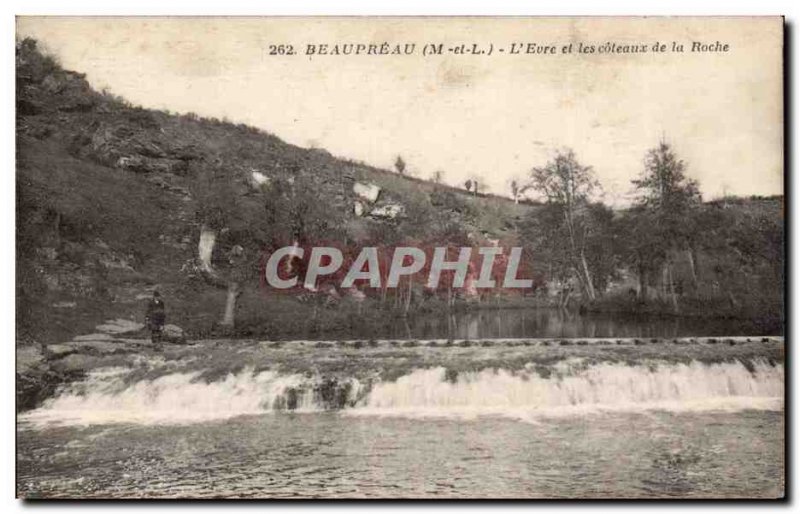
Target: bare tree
{"type": "Point", "coordinates": [516, 189]}
{"type": "Point", "coordinates": [479, 185]}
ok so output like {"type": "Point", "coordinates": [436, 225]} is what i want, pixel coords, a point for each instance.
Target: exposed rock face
{"type": "Point", "coordinates": [65, 305]}
{"type": "Point", "coordinates": [120, 326]}
{"type": "Point", "coordinates": [356, 294]}
{"type": "Point", "coordinates": [173, 334]}
{"type": "Point", "coordinates": [92, 337]}
{"type": "Point", "coordinates": [259, 179]}
{"type": "Point", "coordinates": [358, 209]}
{"type": "Point", "coordinates": [205, 248]}
{"type": "Point", "coordinates": [368, 192]}
{"type": "Point", "coordinates": [388, 211]}
{"type": "Point", "coordinates": [40, 370]}
{"type": "Point", "coordinates": [35, 379]}
{"type": "Point", "coordinates": [133, 144]}
{"type": "Point", "coordinates": [165, 183]}
{"type": "Point", "coordinates": [142, 164]}
{"type": "Point", "coordinates": [56, 351]}
{"type": "Point", "coordinates": [97, 347]}
{"type": "Point", "coordinates": [29, 357]}
{"type": "Point", "coordinates": [332, 293]}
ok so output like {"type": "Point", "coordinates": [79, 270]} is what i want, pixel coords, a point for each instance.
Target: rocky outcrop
{"type": "Point", "coordinates": [29, 357]}
{"type": "Point", "coordinates": [258, 179]}
{"type": "Point", "coordinates": [35, 378]}
{"type": "Point", "coordinates": [388, 211]}
{"type": "Point", "coordinates": [41, 369]}
{"type": "Point", "coordinates": [367, 192]}
{"type": "Point", "coordinates": [173, 334]}
{"type": "Point", "coordinates": [120, 326]}
{"type": "Point", "coordinates": [142, 164]}
{"type": "Point", "coordinates": [205, 248]}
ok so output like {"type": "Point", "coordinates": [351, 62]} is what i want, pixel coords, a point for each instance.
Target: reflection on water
{"type": "Point", "coordinates": [517, 323]}
{"type": "Point", "coordinates": [658, 454]}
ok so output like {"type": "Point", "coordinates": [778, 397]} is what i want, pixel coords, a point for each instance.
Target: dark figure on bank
{"type": "Point", "coordinates": [155, 317]}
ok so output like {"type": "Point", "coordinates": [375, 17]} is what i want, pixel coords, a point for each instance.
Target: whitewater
{"type": "Point", "coordinates": [568, 387]}
{"type": "Point", "coordinates": [695, 418]}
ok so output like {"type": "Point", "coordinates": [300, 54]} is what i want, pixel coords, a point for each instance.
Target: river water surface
{"type": "Point", "coordinates": [492, 419]}
{"type": "Point", "coordinates": [495, 323]}
{"type": "Point", "coordinates": [653, 454]}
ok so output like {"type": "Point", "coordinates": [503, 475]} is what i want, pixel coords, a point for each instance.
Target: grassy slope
{"type": "Point", "coordinates": [99, 235]}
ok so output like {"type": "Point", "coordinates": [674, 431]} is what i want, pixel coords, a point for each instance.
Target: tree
{"type": "Point", "coordinates": [663, 185]}
{"type": "Point", "coordinates": [567, 186]}
{"type": "Point", "coordinates": [400, 165]}
{"type": "Point", "coordinates": [516, 189]}
{"type": "Point", "coordinates": [437, 176]}
{"type": "Point", "coordinates": [600, 244]}
{"type": "Point", "coordinates": [479, 185]}
{"type": "Point", "coordinates": [669, 199]}
{"type": "Point", "coordinates": [225, 232]}
{"type": "Point", "coordinates": [545, 233]}
{"type": "Point", "coordinates": [475, 185]}
{"type": "Point", "coordinates": [743, 260]}
{"type": "Point", "coordinates": [639, 246]}
{"type": "Point", "coordinates": [294, 210]}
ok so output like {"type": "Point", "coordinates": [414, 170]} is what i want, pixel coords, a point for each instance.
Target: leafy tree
{"type": "Point", "coordinates": [663, 186]}
{"type": "Point", "coordinates": [400, 165]}
{"type": "Point", "coordinates": [600, 244]}
{"type": "Point", "coordinates": [545, 233]}
{"type": "Point", "coordinates": [567, 186]}
{"type": "Point", "coordinates": [669, 199]}
{"type": "Point", "coordinates": [294, 210]}
{"type": "Point", "coordinates": [743, 249]}
{"type": "Point", "coordinates": [226, 234]}
{"type": "Point", "coordinates": [639, 246]}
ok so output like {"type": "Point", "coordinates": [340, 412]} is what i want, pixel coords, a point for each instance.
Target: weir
{"type": "Point", "coordinates": [566, 386]}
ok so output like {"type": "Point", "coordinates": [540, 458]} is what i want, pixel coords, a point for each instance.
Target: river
{"type": "Point", "coordinates": [489, 419]}
{"type": "Point", "coordinates": [545, 322]}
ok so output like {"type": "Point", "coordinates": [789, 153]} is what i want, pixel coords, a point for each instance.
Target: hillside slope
{"type": "Point", "coordinates": [112, 199]}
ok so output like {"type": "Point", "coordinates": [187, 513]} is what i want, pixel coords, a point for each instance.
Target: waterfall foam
{"type": "Point", "coordinates": [568, 387]}
{"type": "Point", "coordinates": [573, 388]}
{"type": "Point", "coordinates": [105, 397]}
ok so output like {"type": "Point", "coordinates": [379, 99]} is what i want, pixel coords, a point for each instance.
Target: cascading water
{"type": "Point", "coordinates": [566, 388]}
{"type": "Point", "coordinates": [571, 387]}
{"type": "Point", "coordinates": [105, 396]}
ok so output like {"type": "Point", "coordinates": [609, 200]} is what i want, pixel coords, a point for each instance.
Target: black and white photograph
{"type": "Point", "coordinates": [404, 257]}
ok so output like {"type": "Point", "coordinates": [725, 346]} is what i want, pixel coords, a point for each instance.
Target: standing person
{"type": "Point", "coordinates": [155, 318]}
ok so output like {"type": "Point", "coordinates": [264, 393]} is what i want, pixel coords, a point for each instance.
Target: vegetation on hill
{"type": "Point", "coordinates": [115, 201]}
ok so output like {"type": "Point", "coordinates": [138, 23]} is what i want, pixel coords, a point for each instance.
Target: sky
{"type": "Point", "coordinates": [492, 116]}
